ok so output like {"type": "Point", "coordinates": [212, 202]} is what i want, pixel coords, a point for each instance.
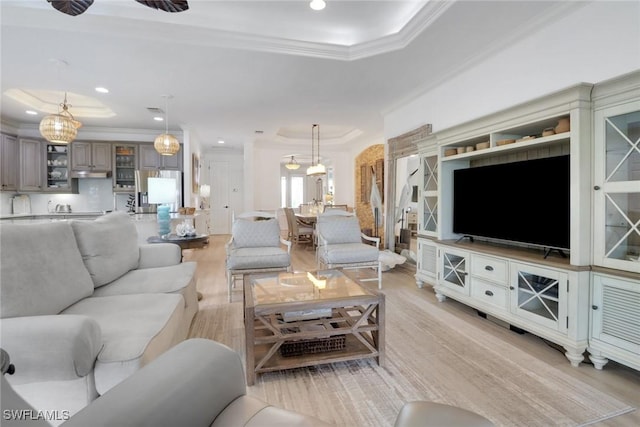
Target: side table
{"type": "Point", "coordinates": [186, 242]}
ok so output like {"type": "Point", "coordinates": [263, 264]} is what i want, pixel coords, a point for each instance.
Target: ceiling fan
{"type": "Point", "coordinates": [77, 7]}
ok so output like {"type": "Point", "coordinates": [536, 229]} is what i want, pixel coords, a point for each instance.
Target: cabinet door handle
{"type": "Point", "coordinates": [488, 268]}
{"type": "Point", "coordinates": [511, 288]}
{"type": "Point", "coordinates": [488, 293]}
{"type": "Point", "coordinates": [595, 307]}
{"type": "Point", "coordinates": [597, 187]}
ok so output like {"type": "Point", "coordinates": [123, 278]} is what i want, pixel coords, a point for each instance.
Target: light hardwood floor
{"type": "Point", "coordinates": [616, 380]}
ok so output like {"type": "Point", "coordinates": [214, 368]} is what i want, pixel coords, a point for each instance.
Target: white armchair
{"type": "Point", "coordinates": [340, 244]}
{"type": "Point", "coordinates": [255, 247]}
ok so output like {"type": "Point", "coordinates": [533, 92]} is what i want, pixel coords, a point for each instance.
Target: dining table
{"type": "Point", "coordinates": [309, 219]}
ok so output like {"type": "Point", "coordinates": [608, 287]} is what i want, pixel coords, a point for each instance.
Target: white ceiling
{"type": "Point", "coordinates": [237, 67]}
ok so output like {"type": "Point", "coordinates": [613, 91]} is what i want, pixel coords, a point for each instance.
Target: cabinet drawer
{"type": "Point", "coordinates": [489, 293]}
{"type": "Point", "coordinates": [492, 269]}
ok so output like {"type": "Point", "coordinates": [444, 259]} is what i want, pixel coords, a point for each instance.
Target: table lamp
{"type": "Point", "coordinates": [162, 191]}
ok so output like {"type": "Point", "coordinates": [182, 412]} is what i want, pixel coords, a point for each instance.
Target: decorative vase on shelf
{"type": "Point", "coordinates": [164, 220]}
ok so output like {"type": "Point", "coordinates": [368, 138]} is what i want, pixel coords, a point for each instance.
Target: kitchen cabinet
{"type": "Point", "coordinates": [150, 159]}
{"type": "Point", "coordinates": [91, 156]}
{"type": "Point", "coordinates": [9, 163]}
{"type": "Point", "coordinates": [58, 175]}
{"type": "Point", "coordinates": [124, 168]}
{"type": "Point", "coordinates": [31, 165]}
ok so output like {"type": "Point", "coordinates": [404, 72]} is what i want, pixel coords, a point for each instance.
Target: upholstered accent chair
{"type": "Point", "coordinates": [255, 247]}
{"type": "Point", "coordinates": [340, 244]}
{"type": "Point", "coordinates": [298, 233]}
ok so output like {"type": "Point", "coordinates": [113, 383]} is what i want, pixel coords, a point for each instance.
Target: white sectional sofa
{"type": "Point", "coordinates": [84, 306]}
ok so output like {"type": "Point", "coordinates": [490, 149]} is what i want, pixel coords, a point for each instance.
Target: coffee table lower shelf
{"type": "Point", "coordinates": [353, 350]}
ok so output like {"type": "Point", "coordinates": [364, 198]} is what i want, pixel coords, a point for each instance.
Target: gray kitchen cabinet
{"type": "Point", "coordinates": [31, 165]}
{"type": "Point", "coordinates": [150, 159]}
{"type": "Point", "coordinates": [9, 165]}
{"type": "Point", "coordinates": [91, 156]}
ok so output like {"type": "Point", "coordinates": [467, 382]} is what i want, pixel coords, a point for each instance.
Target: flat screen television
{"type": "Point", "coordinates": [524, 202]}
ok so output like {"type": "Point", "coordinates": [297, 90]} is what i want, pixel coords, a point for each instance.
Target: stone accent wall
{"type": "Point", "coordinates": [371, 159]}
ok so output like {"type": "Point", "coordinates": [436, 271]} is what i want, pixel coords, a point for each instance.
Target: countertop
{"type": "Point", "coordinates": [91, 214]}
{"type": "Point", "coordinates": [52, 215]}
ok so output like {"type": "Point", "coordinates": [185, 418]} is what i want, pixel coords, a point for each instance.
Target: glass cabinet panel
{"type": "Point", "coordinates": [453, 270]}
{"type": "Point", "coordinates": [622, 134]}
{"type": "Point", "coordinates": [125, 167]}
{"type": "Point", "coordinates": [538, 295]}
{"type": "Point", "coordinates": [617, 189]}
{"type": "Point", "coordinates": [429, 202]}
{"type": "Point", "coordinates": [622, 240]}
{"type": "Point", "coordinates": [57, 167]}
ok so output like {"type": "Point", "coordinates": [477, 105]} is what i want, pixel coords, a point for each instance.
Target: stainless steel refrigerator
{"type": "Point", "coordinates": [142, 190]}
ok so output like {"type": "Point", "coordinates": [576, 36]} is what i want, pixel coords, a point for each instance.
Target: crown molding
{"type": "Point", "coordinates": [43, 17]}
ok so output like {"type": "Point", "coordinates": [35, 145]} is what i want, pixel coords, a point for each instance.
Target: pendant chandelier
{"type": "Point", "coordinates": [166, 144]}
{"type": "Point", "coordinates": [292, 165]}
{"type": "Point", "coordinates": [60, 128]}
{"type": "Point", "coordinates": [316, 167]}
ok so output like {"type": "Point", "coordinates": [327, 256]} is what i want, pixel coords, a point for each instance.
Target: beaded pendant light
{"type": "Point", "coordinates": [166, 144]}
{"type": "Point", "coordinates": [60, 128]}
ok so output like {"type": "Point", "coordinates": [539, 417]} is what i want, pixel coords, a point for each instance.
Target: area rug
{"type": "Point", "coordinates": [435, 355]}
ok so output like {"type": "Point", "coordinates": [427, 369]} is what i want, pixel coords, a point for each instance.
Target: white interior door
{"type": "Point", "coordinates": [220, 205]}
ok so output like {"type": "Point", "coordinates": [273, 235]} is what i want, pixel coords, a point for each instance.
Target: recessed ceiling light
{"type": "Point", "coordinates": [220, 141]}
{"type": "Point", "coordinates": [158, 119]}
{"type": "Point", "coordinates": [102, 89]}
{"type": "Point", "coordinates": [317, 4]}
{"type": "Point", "coordinates": [31, 112]}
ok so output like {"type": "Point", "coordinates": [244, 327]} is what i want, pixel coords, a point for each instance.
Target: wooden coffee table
{"type": "Point", "coordinates": [294, 320]}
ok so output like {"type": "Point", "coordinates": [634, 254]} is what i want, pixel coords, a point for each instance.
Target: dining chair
{"type": "Point", "coordinates": [255, 247]}
{"type": "Point", "coordinates": [298, 233]}
{"type": "Point", "coordinates": [340, 244]}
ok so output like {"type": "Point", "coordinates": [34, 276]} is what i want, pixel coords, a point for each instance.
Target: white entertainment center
{"type": "Point", "coordinates": [588, 300]}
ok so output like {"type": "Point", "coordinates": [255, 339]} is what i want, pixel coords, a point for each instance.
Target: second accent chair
{"type": "Point", "coordinates": [340, 244]}
{"type": "Point", "coordinates": [255, 247]}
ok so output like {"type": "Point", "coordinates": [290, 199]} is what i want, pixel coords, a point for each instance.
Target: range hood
{"type": "Point", "coordinates": [90, 174]}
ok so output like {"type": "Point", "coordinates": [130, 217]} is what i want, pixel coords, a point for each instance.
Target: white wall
{"type": "Point", "coordinates": [595, 42]}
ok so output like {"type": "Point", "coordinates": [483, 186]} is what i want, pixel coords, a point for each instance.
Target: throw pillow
{"type": "Point", "coordinates": [109, 246]}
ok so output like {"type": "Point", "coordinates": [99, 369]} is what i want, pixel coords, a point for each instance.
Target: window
{"type": "Point", "coordinates": [292, 190]}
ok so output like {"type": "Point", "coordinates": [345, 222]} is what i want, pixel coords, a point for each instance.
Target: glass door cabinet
{"type": "Point", "coordinates": [539, 295]}
{"type": "Point", "coordinates": [617, 187]}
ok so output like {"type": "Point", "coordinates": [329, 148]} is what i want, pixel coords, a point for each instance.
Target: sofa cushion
{"type": "Point", "coordinates": [256, 258]}
{"type": "Point", "coordinates": [135, 330]}
{"type": "Point", "coordinates": [170, 279]}
{"type": "Point", "coordinates": [109, 246]}
{"type": "Point", "coordinates": [41, 270]}
{"type": "Point", "coordinates": [253, 234]}
{"type": "Point", "coordinates": [347, 253]}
